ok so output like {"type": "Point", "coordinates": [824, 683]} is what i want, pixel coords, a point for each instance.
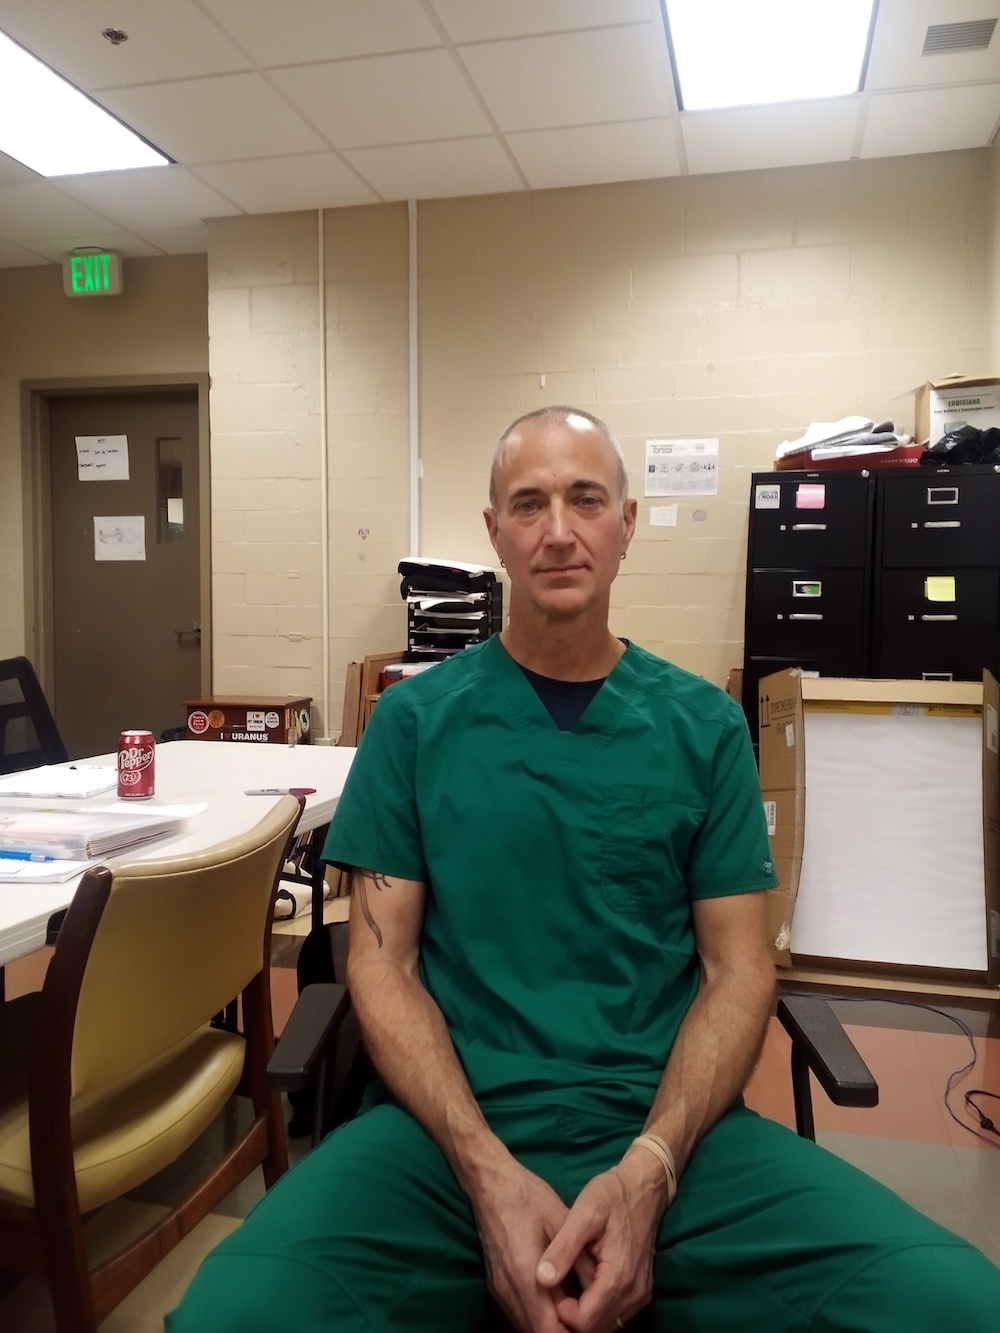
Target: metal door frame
{"type": "Point", "coordinates": [36, 501]}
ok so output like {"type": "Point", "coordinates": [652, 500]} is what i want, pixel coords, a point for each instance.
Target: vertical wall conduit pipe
{"type": "Point", "coordinates": [416, 466]}
{"type": "Point", "coordinates": [324, 480]}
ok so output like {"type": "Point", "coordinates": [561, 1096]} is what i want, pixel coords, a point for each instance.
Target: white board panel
{"type": "Point", "coordinates": [892, 868]}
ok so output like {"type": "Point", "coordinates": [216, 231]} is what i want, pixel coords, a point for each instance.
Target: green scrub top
{"type": "Point", "coordinates": [559, 865]}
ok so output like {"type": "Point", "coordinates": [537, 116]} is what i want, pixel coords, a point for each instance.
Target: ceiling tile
{"type": "Point", "coordinates": [386, 99]}
{"type": "Point", "coordinates": [13, 172]}
{"type": "Point", "coordinates": [525, 18]}
{"type": "Point", "coordinates": [191, 240]}
{"type": "Point", "coordinates": [230, 117]}
{"type": "Point", "coordinates": [896, 60]}
{"type": "Point", "coordinates": [165, 41]}
{"type": "Point", "coordinates": [287, 184]}
{"type": "Point", "coordinates": [437, 170]}
{"type": "Point", "coordinates": [770, 136]}
{"type": "Point", "coordinates": [325, 29]}
{"type": "Point", "coordinates": [152, 197]}
{"type": "Point", "coordinates": [123, 243]}
{"type": "Point", "coordinates": [580, 78]}
{"type": "Point", "coordinates": [637, 150]}
{"type": "Point", "coordinates": [16, 256]}
{"type": "Point", "coordinates": [39, 211]}
{"type": "Point", "coordinates": [930, 121]}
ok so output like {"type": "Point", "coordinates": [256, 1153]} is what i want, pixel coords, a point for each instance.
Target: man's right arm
{"type": "Point", "coordinates": [408, 1041]}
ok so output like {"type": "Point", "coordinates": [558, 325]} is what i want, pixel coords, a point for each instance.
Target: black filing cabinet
{"type": "Point", "coordinates": [937, 586]}
{"type": "Point", "coordinates": [894, 573]}
{"type": "Point", "coordinates": [808, 576]}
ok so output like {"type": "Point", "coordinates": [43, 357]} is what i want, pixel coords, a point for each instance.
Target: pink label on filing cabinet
{"type": "Point", "coordinates": [810, 495]}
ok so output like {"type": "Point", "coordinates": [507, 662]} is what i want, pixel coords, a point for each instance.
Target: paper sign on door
{"type": "Point", "coordinates": [102, 457]}
{"type": "Point", "coordinates": [120, 537]}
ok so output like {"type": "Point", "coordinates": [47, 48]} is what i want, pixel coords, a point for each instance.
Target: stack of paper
{"type": "Point", "coordinates": [73, 781]}
{"type": "Point", "coordinates": [80, 835]}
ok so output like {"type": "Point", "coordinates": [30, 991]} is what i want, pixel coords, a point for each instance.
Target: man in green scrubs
{"type": "Point", "coordinates": [559, 963]}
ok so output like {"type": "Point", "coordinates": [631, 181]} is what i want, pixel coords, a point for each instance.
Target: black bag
{"type": "Point", "coordinates": [968, 444]}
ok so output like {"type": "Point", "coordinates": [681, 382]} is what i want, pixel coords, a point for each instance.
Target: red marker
{"type": "Point", "coordinates": [280, 791]}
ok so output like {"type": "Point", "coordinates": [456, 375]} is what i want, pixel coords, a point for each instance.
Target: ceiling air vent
{"type": "Point", "coordinates": [946, 37]}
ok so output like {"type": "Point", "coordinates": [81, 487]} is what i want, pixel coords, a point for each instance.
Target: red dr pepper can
{"type": "Point", "coordinates": [136, 766]}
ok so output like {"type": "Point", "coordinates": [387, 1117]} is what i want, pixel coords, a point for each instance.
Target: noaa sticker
{"type": "Point", "coordinates": [767, 497]}
{"type": "Point", "coordinates": [198, 722]}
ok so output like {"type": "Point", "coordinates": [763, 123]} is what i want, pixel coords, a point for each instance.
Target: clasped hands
{"type": "Point", "coordinates": [582, 1268]}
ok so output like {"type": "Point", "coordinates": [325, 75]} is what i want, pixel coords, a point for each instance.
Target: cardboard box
{"type": "Point", "coordinates": [886, 839]}
{"type": "Point", "coordinates": [734, 684]}
{"type": "Point", "coordinates": [361, 684]}
{"type": "Point", "coordinates": [944, 405]}
{"type": "Point", "coordinates": [265, 720]}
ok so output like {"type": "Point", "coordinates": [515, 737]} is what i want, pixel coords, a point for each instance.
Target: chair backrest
{"type": "Point", "coordinates": [28, 732]}
{"type": "Point", "coordinates": [174, 942]}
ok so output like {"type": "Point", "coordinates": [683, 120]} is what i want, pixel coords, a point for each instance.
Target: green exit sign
{"type": "Point", "coordinates": [97, 274]}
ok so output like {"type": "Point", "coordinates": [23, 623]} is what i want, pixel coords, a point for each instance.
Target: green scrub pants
{"type": "Point", "coordinates": [768, 1233]}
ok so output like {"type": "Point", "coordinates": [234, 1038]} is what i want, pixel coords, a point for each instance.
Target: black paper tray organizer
{"type": "Point", "coordinates": [449, 605]}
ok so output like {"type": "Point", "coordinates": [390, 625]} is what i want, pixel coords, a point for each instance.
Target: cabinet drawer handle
{"type": "Point", "coordinates": [810, 615]}
{"type": "Point", "coordinates": [809, 527]}
{"type": "Point", "coordinates": [945, 523]}
{"type": "Point", "coordinates": [939, 617]}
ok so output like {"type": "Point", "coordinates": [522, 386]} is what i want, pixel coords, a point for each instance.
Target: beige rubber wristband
{"type": "Point", "coordinates": [654, 1144]}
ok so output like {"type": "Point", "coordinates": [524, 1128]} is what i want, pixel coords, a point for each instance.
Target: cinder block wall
{"type": "Point", "coordinates": [737, 307]}
{"type": "Point", "coordinates": [264, 338]}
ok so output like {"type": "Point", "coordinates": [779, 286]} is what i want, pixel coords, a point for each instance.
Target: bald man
{"type": "Point", "coordinates": [559, 963]}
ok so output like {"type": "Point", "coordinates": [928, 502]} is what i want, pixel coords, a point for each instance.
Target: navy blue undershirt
{"type": "Point", "coordinates": [566, 700]}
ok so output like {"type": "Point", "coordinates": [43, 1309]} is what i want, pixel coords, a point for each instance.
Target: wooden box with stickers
{"type": "Point", "coordinates": [264, 720]}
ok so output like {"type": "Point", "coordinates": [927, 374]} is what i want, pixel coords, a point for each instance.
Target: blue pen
{"type": "Point", "coordinates": [25, 856]}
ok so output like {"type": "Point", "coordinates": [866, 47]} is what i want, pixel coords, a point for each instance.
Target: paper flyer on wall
{"type": "Point", "coordinates": [682, 467]}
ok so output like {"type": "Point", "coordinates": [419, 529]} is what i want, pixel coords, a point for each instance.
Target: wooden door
{"type": "Point", "coordinates": [125, 563]}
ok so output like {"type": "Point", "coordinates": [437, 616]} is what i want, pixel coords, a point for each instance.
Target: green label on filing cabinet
{"type": "Point", "coordinates": [806, 588]}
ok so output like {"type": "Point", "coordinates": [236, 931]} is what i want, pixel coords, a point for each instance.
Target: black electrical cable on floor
{"type": "Point", "coordinates": [985, 1122]}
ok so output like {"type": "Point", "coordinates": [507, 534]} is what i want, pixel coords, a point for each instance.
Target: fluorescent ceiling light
{"type": "Point", "coordinates": [743, 53]}
{"type": "Point", "coordinates": [55, 129]}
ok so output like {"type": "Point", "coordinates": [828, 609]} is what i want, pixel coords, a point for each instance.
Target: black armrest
{"type": "Point", "coordinates": [318, 1015]}
{"type": "Point", "coordinates": [832, 1056]}
{"type": "Point", "coordinates": [820, 1044]}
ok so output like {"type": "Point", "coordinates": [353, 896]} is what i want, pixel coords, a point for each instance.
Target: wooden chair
{"type": "Point", "coordinates": [113, 1069]}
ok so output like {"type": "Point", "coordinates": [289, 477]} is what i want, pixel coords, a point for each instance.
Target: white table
{"type": "Point", "coordinates": [187, 773]}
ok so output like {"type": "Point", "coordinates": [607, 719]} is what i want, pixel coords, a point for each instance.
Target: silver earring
{"type": "Point", "coordinates": [624, 554]}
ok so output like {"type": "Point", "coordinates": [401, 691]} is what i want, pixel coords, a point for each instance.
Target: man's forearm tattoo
{"type": "Point", "coordinates": [362, 879]}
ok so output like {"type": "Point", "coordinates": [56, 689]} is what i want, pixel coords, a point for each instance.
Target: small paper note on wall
{"type": "Point", "coordinates": [102, 457]}
{"type": "Point", "coordinates": [120, 537]}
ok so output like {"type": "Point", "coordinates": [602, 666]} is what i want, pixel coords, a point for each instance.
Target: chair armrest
{"type": "Point", "coordinates": [318, 1015]}
{"type": "Point", "coordinates": [818, 1037]}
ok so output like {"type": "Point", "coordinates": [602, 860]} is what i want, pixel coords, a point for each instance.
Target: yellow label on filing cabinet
{"type": "Point", "coordinates": [939, 588]}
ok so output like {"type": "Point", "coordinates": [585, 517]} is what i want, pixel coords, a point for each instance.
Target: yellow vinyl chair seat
{"type": "Point", "coordinates": [121, 1136]}
{"type": "Point", "coordinates": [116, 1067]}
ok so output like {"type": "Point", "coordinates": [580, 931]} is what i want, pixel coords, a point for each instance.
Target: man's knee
{"type": "Point", "coordinates": [240, 1293]}
{"type": "Point", "coordinates": [918, 1289]}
